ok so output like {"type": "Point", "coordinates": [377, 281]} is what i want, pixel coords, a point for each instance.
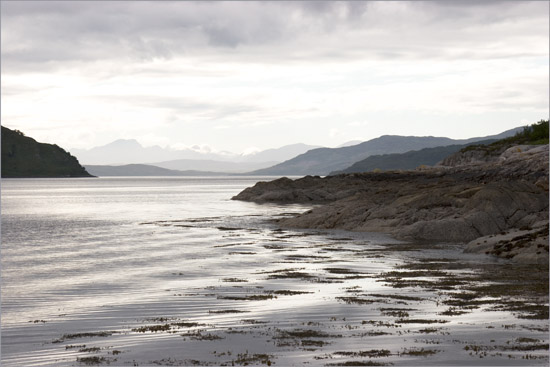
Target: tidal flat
{"type": "Point", "coordinates": [373, 302]}
{"type": "Point", "coordinates": [237, 290]}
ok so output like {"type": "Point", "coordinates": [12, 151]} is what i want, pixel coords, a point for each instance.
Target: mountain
{"type": "Point", "coordinates": [279, 154]}
{"type": "Point", "coordinates": [406, 161]}
{"type": "Point", "coordinates": [23, 156]}
{"type": "Point", "coordinates": [210, 165]}
{"type": "Point", "coordinates": [322, 161]}
{"type": "Point", "coordinates": [142, 170]}
{"type": "Point", "coordinates": [349, 143]}
{"type": "Point", "coordinates": [129, 151]}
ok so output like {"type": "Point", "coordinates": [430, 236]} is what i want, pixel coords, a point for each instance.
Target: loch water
{"type": "Point", "coordinates": [170, 271]}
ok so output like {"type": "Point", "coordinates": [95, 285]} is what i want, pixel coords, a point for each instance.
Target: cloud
{"type": "Point", "coordinates": [50, 33]}
{"type": "Point", "coordinates": [198, 108]}
{"type": "Point", "coordinates": [251, 151]}
{"type": "Point", "coordinates": [255, 70]}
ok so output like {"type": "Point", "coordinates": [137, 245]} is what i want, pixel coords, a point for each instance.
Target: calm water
{"type": "Point", "coordinates": [170, 271]}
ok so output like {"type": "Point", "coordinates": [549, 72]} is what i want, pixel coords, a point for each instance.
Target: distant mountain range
{"type": "Point", "coordinates": [23, 156]}
{"type": "Point", "coordinates": [123, 152]}
{"type": "Point", "coordinates": [323, 161]}
{"type": "Point", "coordinates": [142, 170]}
{"type": "Point", "coordinates": [210, 165]}
{"type": "Point", "coordinates": [129, 151]}
{"type": "Point", "coordinates": [129, 158]}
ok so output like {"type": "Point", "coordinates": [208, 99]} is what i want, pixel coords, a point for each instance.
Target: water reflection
{"type": "Point", "coordinates": [171, 272]}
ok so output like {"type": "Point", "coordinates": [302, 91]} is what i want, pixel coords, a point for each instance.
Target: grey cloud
{"type": "Point", "coordinates": [140, 29]}
{"type": "Point", "coordinates": [210, 110]}
{"type": "Point", "coordinates": [50, 34]}
{"type": "Point", "coordinates": [190, 108]}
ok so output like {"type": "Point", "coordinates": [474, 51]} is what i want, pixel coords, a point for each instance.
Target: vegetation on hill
{"type": "Point", "coordinates": [535, 134]}
{"type": "Point", "coordinates": [25, 157]}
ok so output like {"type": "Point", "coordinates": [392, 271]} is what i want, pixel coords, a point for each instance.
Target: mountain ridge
{"type": "Point", "coordinates": [408, 160]}
{"type": "Point", "coordinates": [143, 170]}
{"type": "Point", "coordinates": [211, 165]}
{"type": "Point", "coordinates": [130, 151]}
{"type": "Point", "coordinates": [322, 161]}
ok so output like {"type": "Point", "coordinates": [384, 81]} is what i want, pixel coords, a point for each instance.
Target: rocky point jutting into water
{"type": "Point", "coordinates": [495, 199]}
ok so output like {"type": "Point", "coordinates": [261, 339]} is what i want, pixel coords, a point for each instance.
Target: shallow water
{"type": "Point", "coordinates": [169, 271]}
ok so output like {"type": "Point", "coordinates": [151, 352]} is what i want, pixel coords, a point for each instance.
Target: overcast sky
{"type": "Point", "coordinates": [239, 76]}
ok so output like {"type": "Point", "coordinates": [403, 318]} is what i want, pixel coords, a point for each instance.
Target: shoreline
{"type": "Point", "coordinates": [503, 202]}
{"type": "Point", "coordinates": [224, 286]}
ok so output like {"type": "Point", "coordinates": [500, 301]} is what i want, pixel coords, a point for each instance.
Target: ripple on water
{"type": "Point", "coordinates": [187, 277]}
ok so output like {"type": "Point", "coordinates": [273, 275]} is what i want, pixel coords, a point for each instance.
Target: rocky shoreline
{"type": "Point", "coordinates": [495, 203]}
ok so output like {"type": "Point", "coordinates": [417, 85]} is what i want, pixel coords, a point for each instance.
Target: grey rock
{"type": "Point", "coordinates": [525, 245]}
{"type": "Point", "coordinates": [458, 203]}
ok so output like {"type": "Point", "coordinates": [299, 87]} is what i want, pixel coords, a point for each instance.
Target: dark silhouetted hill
{"type": "Point", "coordinates": [25, 157]}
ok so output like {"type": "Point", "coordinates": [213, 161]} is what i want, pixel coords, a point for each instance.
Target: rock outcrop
{"type": "Point", "coordinates": [526, 244]}
{"type": "Point", "coordinates": [467, 198]}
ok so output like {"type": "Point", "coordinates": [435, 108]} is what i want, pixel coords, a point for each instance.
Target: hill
{"type": "Point", "coordinates": [349, 143]}
{"type": "Point", "coordinates": [211, 165]}
{"type": "Point", "coordinates": [23, 156]}
{"type": "Point", "coordinates": [322, 161]}
{"type": "Point", "coordinates": [278, 155]}
{"type": "Point", "coordinates": [404, 161]}
{"type": "Point", "coordinates": [143, 170]}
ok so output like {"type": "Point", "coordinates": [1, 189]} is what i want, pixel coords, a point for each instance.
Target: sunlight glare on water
{"type": "Point", "coordinates": [170, 271]}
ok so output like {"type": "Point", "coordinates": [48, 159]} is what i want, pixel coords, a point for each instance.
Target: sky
{"type": "Point", "coordinates": [247, 76]}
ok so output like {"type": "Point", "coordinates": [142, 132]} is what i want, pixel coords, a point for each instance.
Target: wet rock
{"type": "Point", "coordinates": [525, 245]}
